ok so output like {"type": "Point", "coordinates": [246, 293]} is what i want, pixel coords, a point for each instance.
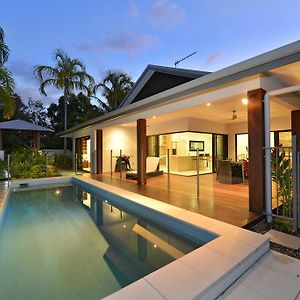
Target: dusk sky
{"type": "Point", "coordinates": [130, 34]}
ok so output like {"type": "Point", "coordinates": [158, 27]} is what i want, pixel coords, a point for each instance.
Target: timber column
{"type": "Point", "coordinates": [37, 140]}
{"type": "Point", "coordinates": [256, 142]}
{"type": "Point", "coordinates": [99, 150]}
{"type": "Point", "coordinates": [141, 151]}
{"type": "Point", "coordinates": [295, 122]}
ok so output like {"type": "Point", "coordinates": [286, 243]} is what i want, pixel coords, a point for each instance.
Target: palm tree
{"type": "Point", "coordinates": [67, 75]}
{"type": "Point", "coordinates": [114, 88]}
{"type": "Point", "coordinates": [6, 80]}
{"type": "Point", "coordinates": [4, 50]}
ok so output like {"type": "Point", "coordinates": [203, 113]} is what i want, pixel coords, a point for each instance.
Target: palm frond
{"type": "Point", "coordinates": [6, 80]}
{"type": "Point", "coordinates": [4, 50]}
{"type": "Point", "coordinates": [43, 71]}
{"type": "Point", "coordinates": [67, 74]}
{"type": "Point", "coordinates": [46, 83]}
{"type": "Point", "coordinates": [8, 102]}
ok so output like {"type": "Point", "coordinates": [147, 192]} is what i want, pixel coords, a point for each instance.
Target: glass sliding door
{"type": "Point", "coordinates": [241, 144]}
{"type": "Point", "coordinates": [183, 148]}
{"type": "Point", "coordinates": [83, 151]}
{"type": "Point", "coordinates": [285, 138]}
{"type": "Point", "coordinates": [220, 149]}
{"type": "Point", "coordinates": [153, 145]}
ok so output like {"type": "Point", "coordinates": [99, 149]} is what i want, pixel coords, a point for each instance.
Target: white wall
{"type": "Point", "coordinates": [186, 124]}
{"type": "Point", "coordinates": [116, 138]}
{"type": "Point", "coordinates": [168, 127]}
{"type": "Point", "coordinates": [232, 129]}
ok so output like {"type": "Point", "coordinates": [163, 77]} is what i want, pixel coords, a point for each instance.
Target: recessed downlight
{"type": "Point", "coordinates": [208, 104]}
{"type": "Point", "coordinates": [245, 101]}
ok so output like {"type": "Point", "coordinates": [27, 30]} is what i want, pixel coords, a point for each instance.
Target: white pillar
{"type": "Point", "coordinates": [268, 166]}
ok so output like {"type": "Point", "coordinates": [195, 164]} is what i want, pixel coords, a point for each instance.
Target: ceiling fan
{"type": "Point", "coordinates": [234, 115]}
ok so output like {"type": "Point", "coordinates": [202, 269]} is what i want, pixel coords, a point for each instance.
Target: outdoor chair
{"type": "Point", "coordinates": [151, 168]}
{"type": "Point", "coordinates": [229, 172]}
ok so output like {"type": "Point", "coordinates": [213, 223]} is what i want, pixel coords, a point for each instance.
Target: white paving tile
{"type": "Point", "coordinates": [271, 283]}
{"type": "Point", "coordinates": [208, 262]}
{"type": "Point", "coordinates": [178, 281]}
{"type": "Point", "coordinates": [241, 292]}
{"type": "Point", "coordinates": [140, 289]}
{"type": "Point", "coordinates": [221, 228]}
{"type": "Point", "coordinates": [284, 239]}
{"type": "Point", "coordinates": [197, 219]}
{"type": "Point", "coordinates": [282, 263]}
{"type": "Point", "coordinates": [231, 248]}
{"type": "Point", "coordinates": [248, 237]}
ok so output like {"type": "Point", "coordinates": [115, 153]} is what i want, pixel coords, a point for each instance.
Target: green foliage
{"type": "Point", "coordinates": [3, 165]}
{"type": "Point", "coordinates": [4, 50]}
{"type": "Point", "coordinates": [282, 177]}
{"type": "Point", "coordinates": [36, 112]}
{"type": "Point", "coordinates": [7, 84]}
{"type": "Point", "coordinates": [28, 162]}
{"type": "Point", "coordinates": [114, 88]}
{"type": "Point", "coordinates": [282, 225]}
{"type": "Point", "coordinates": [62, 162]}
{"type": "Point", "coordinates": [79, 108]}
{"type": "Point", "coordinates": [68, 75]}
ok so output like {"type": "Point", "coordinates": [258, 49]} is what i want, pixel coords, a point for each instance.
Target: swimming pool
{"type": "Point", "coordinates": [76, 242]}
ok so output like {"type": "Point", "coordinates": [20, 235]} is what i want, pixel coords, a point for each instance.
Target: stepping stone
{"type": "Point", "coordinates": [283, 239]}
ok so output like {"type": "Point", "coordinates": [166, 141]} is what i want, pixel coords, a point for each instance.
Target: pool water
{"type": "Point", "coordinates": [65, 243]}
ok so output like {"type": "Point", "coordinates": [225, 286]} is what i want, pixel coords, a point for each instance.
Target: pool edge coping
{"type": "Point", "coordinates": [228, 234]}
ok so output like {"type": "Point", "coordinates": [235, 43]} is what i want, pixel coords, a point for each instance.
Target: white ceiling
{"type": "Point", "coordinates": [222, 111]}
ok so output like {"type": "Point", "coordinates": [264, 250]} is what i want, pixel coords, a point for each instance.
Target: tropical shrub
{"type": "Point", "coordinates": [63, 162]}
{"type": "Point", "coordinates": [282, 225]}
{"type": "Point", "coordinates": [282, 177]}
{"type": "Point", "coordinates": [27, 162]}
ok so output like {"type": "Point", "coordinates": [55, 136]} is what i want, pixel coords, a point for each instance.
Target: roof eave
{"type": "Point", "coordinates": [258, 64]}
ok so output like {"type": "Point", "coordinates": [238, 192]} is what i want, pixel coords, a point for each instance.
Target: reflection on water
{"type": "Point", "coordinates": [136, 246]}
{"type": "Point", "coordinates": [65, 243]}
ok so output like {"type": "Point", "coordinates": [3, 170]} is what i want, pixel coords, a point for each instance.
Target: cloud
{"type": "Point", "coordinates": [166, 13]}
{"type": "Point", "coordinates": [212, 58]}
{"type": "Point", "coordinates": [23, 70]}
{"type": "Point", "coordinates": [124, 42]}
{"type": "Point", "coordinates": [133, 11]}
{"type": "Point", "coordinates": [33, 92]}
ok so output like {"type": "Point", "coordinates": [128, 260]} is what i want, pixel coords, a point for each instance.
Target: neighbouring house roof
{"type": "Point", "coordinates": [262, 63]}
{"type": "Point", "coordinates": [156, 79]}
{"type": "Point", "coordinates": [21, 125]}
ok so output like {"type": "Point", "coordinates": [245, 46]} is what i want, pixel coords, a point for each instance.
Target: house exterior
{"type": "Point", "coordinates": [231, 113]}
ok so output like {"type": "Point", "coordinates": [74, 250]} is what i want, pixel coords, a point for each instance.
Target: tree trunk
{"type": "Point", "coordinates": [66, 121]}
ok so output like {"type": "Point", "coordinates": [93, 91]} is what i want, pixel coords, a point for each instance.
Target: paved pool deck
{"type": "Point", "coordinates": [274, 276]}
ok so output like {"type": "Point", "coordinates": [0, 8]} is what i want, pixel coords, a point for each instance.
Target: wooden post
{"type": "Point", "coordinates": [99, 150]}
{"type": "Point", "coordinates": [295, 123]}
{"type": "Point", "coordinates": [141, 151]}
{"type": "Point", "coordinates": [256, 136]}
{"type": "Point", "coordinates": [37, 140]}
